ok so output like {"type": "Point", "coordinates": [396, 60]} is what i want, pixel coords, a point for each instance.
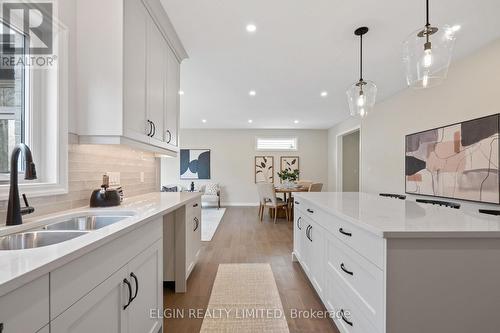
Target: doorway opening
{"type": "Point", "coordinates": [348, 161]}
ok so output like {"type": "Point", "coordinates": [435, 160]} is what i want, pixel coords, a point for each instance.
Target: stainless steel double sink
{"type": "Point", "coordinates": [57, 232]}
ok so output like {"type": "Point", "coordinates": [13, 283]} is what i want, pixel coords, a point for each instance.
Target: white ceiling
{"type": "Point", "coordinates": [302, 47]}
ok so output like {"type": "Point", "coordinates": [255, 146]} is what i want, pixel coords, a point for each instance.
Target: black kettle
{"type": "Point", "coordinates": [105, 197]}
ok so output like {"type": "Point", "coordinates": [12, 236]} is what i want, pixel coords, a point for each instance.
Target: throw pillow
{"type": "Point", "coordinates": [211, 189]}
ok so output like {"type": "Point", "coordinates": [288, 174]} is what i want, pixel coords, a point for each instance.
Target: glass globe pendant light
{"type": "Point", "coordinates": [427, 54]}
{"type": "Point", "coordinates": [362, 94]}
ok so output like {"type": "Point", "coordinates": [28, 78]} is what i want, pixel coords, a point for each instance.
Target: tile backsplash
{"type": "Point", "coordinates": [87, 164]}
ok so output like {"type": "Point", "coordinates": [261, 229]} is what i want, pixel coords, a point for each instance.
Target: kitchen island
{"type": "Point", "coordinates": [389, 265]}
{"type": "Point", "coordinates": [107, 279]}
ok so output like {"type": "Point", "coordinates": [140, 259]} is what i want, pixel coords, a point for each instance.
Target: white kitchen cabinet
{"type": "Point", "coordinates": [146, 276]}
{"type": "Point", "coordinates": [173, 100]}
{"type": "Point", "coordinates": [193, 235]}
{"type": "Point", "coordinates": [134, 77]}
{"type": "Point", "coordinates": [26, 309]}
{"type": "Point", "coordinates": [101, 310]}
{"type": "Point", "coordinates": [121, 303]}
{"type": "Point", "coordinates": [182, 244]}
{"type": "Point", "coordinates": [156, 82]}
{"type": "Point", "coordinates": [127, 76]}
{"type": "Point", "coordinates": [312, 246]}
{"type": "Point", "coordinates": [297, 236]}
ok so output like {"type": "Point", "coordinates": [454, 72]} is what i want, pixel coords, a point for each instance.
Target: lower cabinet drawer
{"type": "Point", "coordinates": [26, 309]}
{"type": "Point", "coordinates": [363, 278]}
{"type": "Point", "coordinates": [348, 317]}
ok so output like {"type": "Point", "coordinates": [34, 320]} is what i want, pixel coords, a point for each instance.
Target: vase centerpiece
{"type": "Point", "coordinates": [288, 177]}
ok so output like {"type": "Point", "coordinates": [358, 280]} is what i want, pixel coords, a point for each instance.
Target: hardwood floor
{"type": "Point", "coordinates": [242, 238]}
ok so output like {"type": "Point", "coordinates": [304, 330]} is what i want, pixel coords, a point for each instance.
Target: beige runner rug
{"type": "Point", "coordinates": [245, 298]}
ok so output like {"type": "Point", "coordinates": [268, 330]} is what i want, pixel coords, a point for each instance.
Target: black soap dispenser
{"type": "Point", "coordinates": [105, 197]}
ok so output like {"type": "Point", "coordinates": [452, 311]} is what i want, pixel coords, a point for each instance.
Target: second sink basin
{"type": "Point", "coordinates": [32, 239]}
{"type": "Point", "coordinates": [86, 223]}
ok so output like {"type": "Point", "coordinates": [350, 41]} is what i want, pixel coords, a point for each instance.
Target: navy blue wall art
{"type": "Point", "coordinates": [195, 164]}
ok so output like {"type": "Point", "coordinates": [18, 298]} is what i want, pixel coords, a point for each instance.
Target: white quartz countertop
{"type": "Point", "coordinates": [18, 267]}
{"type": "Point", "coordinates": [394, 218]}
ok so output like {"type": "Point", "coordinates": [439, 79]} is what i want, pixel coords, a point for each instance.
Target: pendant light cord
{"type": "Point", "coordinates": [361, 58]}
{"type": "Point", "coordinates": [428, 24]}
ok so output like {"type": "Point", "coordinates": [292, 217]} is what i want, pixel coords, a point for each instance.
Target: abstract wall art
{"type": "Point", "coordinates": [459, 161]}
{"type": "Point", "coordinates": [264, 169]}
{"type": "Point", "coordinates": [195, 164]}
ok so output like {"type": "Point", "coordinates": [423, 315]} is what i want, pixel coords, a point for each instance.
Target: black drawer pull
{"type": "Point", "coordinates": [297, 203]}
{"type": "Point", "coordinates": [133, 276]}
{"type": "Point", "coordinates": [195, 205]}
{"type": "Point", "coordinates": [129, 286]}
{"type": "Point", "coordinates": [341, 230]}
{"type": "Point", "coordinates": [298, 223]}
{"type": "Point", "coordinates": [310, 211]}
{"type": "Point", "coordinates": [308, 232]}
{"type": "Point", "coordinates": [342, 266]}
{"type": "Point", "coordinates": [344, 318]}
{"type": "Point", "coordinates": [196, 224]}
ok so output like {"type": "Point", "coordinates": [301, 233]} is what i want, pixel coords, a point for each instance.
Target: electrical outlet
{"type": "Point", "coordinates": [114, 178]}
{"type": "Point", "coordinates": [142, 176]}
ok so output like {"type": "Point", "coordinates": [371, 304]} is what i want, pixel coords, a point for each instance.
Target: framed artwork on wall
{"type": "Point", "coordinates": [289, 163]}
{"type": "Point", "coordinates": [458, 161]}
{"type": "Point", "coordinates": [264, 169]}
{"type": "Point", "coordinates": [194, 164]}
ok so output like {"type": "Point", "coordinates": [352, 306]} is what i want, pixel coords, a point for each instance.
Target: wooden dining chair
{"type": "Point", "coordinates": [304, 183]}
{"type": "Point", "coordinates": [316, 187]}
{"type": "Point", "coordinates": [269, 199]}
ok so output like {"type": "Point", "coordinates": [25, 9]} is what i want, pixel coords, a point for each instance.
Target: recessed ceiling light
{"type": "Point", "coordinates": [324, 93]}
{"type": "Point", "coordinates": [204, 121]}
{"type": "Point", "coordinates": [181, 92]}
{"type": "Point", "coordinates": [250, 121]}
{"type": "Point", "coordinates": [295, 121]}
{"type": "Point", "coordinates": [251, 28]}
{"type": "Point", "coordinates": [252, 93]}
{"type": "Point", "coordinates": [456, 27]}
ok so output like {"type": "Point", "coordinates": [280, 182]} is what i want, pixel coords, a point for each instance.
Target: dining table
{"type": "Point", "coordinates": [287, 196]}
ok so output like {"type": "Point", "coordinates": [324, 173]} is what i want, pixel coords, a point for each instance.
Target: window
{"type": "Point", "coordinates": [34, 106]}
{"type": "Point", "coordinates": [14, 125]}
{"type": "Point", "coordinates": [275, 144]}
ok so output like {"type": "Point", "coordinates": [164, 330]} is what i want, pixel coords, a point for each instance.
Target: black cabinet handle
{"type": "Point", "coordinates": [169, 136]}
{"type": "Point", "coordinates": [129, 286]}
{"type": "Point", "coordinates": [341, 230]}
{"type": "Point", "coordinates": [342, 266]}
{"type": "Point", "coordinates": [154, 129]}
{"type": "Point", "coordinates": [345, 319]}
{"type": "Point", "coordinates": [150, 127]}
{"type": "Point", "coordinates": [196, 223]}
{"type": "Point", "coordinates": [195, 205]}
{"type": "Point", "coordinates": [136, 285]}
{"type": "Point", "coordinates": [298, 223]}
{"type": "Point", "coordinates": [310, 211]}
{"type": "Point", "coordinates": [308, 232]}
{"type": "Point", "coordinates": [297, 203]}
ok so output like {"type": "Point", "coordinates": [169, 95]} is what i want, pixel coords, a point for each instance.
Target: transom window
{"type": "Point", "coordinates": [276, 144]}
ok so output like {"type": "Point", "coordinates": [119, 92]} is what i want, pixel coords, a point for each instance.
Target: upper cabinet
{"type": "Point", "coordinates": [129, 60]}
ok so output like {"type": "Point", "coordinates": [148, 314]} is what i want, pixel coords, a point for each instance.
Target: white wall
{"type": "Point", "coordinates": [470, 91]}
{"type": "Point", "coordinates": [232, 159]}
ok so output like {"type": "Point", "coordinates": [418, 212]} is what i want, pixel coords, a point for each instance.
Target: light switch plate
{"type": "Point", "coordinates": [142, 176]}
{"type": "Point", "coordinates": [114, 178]}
